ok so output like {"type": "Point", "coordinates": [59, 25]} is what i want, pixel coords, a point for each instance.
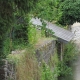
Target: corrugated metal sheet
{"type": "Point", "coordinates": [58, 31]}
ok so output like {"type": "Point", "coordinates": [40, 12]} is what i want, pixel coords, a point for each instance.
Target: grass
{"type": "Point", "coordinates": [26, 62]}
{"type": "Point", "coordinates": [26, 65]}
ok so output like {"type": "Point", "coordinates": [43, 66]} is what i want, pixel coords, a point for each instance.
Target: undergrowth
{"type": "Point", "coordinates": [26, 65]}
{"type": "Point", "coordinates": [50, 71]}
{"type": "Point", "coordinates": [28, 68]}
{"type": "Point", "coordinates": [69, 55]}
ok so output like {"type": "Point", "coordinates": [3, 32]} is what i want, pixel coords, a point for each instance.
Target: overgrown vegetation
{"type": "Point", "coordinates": [70, 13]}
{"type": "Point", "coordinates": [69, 56]}
{"type": "Point", "coordinates": [46, 73]}
{"type": "Point", "coordinates": [48, 10]}
{"type": "Point", "coordinates": [56, 68]}
{"type": "Point", "coordinates": [16, 32]}
{"type": "Point", "coordinates": [26, 64]}
{"type": "Point", "coordinates": [14, 18]}
{"type": "Point", "coordinates": [8, 12]}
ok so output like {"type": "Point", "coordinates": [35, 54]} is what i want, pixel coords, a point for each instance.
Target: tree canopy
{"type": "Point", "coordinates": [9, 9]}
{"type": "Point", "coordinates": [70, 12]}
{"type": "Point", "coordinates": [47, 9]}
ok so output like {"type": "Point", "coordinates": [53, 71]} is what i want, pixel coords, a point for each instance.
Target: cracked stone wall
{"type": "Point", "coordinates": [45, 52]}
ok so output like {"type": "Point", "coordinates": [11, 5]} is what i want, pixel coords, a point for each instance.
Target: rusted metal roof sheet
{"type": "Point", "coordinates": [59, 32]}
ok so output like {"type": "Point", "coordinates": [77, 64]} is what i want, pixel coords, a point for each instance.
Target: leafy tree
{"type": "Point", "coordinates": [8, 11]}
{"type": "Point", "coordinates": [47, 9]}
{"type": "Point", "coordinates": [70, 12]}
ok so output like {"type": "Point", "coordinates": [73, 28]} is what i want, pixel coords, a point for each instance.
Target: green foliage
{"type": "Point", "coordinates": [32, 34]}
{"type": "Point", "coordinates": [20, 31]}
{"type": "Point", "coordinates": [43, 29]}
{"type": "Point", "coordinates": [49, 33]}
{"type": "Point", "coordinates": [6, 17]}
{"type": "Point", "coordinates": [69, 52]}
{"type": "Point", "coordinates": [64, 69]}
{"type": "Point", "coordinates": [65, 65]}
{"type": "Point", "coordinates": [70, 12]}
{"type": "Point", "coordinates": [46, 74]}
{"type": "Point", "coordinates": [8, 9]}
{"type": "Point", "coordinates": [47, 9]}
{"type": "Point", "coordinates": [25, 5]}
{"type": "Point", "coordinates": [45, 32]}
{"type": "Point", "coordinates": [50, 72]}
{"type": "Point", "coordinates": [1, 49]}
{"type": "Point", "coordinates": [7, 46]}
{"type": "Point", "coordinates": [55, 62]}
{"type": "Point", "coordinates": [25, 64]}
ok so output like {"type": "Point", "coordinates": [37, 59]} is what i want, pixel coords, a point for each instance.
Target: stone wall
{"type": "Point", "coordinates": [2, 70]}
{"type": "Point", "coordinates": [43, 53]}
{"type": "Point", "coordinates": [10, 70]}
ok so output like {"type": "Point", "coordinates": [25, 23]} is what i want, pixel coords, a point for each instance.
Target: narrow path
{"type": "Point", "coordinates": [76, 65]}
